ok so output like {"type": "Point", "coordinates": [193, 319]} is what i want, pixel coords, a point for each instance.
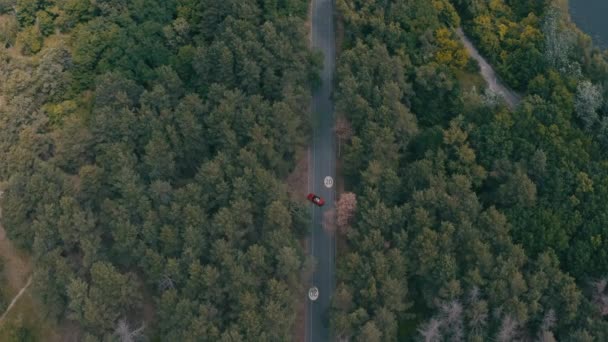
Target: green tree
{"type": "Point", "coordinates": [9, 29]}
{"type": "Point", "coordinates": [45, 23]}
{"type": "Point", "coordinates": [159, 157]}
{"type": "Point", "coordinates": [109, 296]}
{"type": "Point", "coordinates": [29, 41]}
{"type": "Point", "coordinates": [26, 11]}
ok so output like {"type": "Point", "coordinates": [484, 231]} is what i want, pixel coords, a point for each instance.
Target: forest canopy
{"type": "Point", "coordinates": [144, 149]}
{"type": "Point", "coordinates": [473, 222]}
{"type": "Point", "coordinates": [145, 146]}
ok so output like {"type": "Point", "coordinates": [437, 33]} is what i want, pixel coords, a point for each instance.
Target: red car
{"type": "Point", "coordinates": [316, 199]}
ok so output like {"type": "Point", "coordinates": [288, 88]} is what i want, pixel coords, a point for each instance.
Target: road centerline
{"type": "Point", "coordinates": [322, 244]}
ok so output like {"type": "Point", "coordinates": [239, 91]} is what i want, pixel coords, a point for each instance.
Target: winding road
{"type": "Point", "coordinates": [323, 164]}
{"type": "Point", "coordinates": [487, 72]}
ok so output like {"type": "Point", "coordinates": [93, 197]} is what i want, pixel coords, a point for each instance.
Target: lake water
{"type": "Point", "coordinates": [591, 17]}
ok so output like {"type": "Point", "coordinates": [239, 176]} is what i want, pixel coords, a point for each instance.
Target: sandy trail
{"type": "Point", "coordinates": [487, 72]}
{"type": "Point", "coordinates": [10, 306]}
{"type": "Point", "coordinates": [17, 268]}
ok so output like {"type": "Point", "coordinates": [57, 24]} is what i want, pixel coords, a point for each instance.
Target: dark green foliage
{"type": "Point", "coordinates": [142, 152]}
{"type": "Point", "coordinates": [468, 223]}
{"type": "Point", "coordinates": [18, 333]}
{"type": "Point", "coordinates": [6, 5]}
{"type": "Point", "coordinates": [26, 11]}
{"type": "Point", "coordinates": [142, 159]}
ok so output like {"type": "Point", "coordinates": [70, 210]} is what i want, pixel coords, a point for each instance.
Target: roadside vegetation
{"type": "Point", "coordinates": [4, 296]}
{"type": "Point", "coordinates": [473, 222]}
{"type": "Point", "coordinates": [144, 146]}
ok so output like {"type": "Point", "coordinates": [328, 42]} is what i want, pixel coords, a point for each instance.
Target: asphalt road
{"type": "Point", "coordinates": [487, 72]}
{"type": "Point", "coordinates": [323, 164]}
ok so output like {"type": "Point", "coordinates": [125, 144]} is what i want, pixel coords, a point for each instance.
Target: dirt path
{"type": "Point", "coordinates": [10, 306]}
{"type": "Point", "coordinates": [17, 268]}
{"type": "Point", "coordinates": [487, 72]}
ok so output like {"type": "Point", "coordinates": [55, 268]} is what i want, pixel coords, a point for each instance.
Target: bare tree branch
{"type": "Point", "coordinates": [431, 331]}
{"type": "Point", "coordinates": [549, 320]}
{"type": "Point", "coordinates": [452, 319]}
{"type": "Point", "coordinates": [508, 329]}
{"type": "Point", "coordinates": [599, 297]}
{"type": "Point", "coordinates": [165, 283]}
{"type": "Point", "coordinates": [124, 332]}
{"type": "Point", "coordinates": [345, 210]}
{"type": "Point", "coordinates": [329, 221]}
{"type": "Point", "coordinates": [474, 294]}
{"type": "Point", "coordinates": [343, 130]}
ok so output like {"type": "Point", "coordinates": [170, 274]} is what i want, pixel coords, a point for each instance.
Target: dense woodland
{"type": "Point", "coordinates": [144, 144]}
{"type": "Point", "coordinates": [473, 222]}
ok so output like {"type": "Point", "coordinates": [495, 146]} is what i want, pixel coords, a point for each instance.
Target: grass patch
{"type": "Point", "coordinates": [16, 267]}
{"type": "Point", "coordinates": [24, 323]}
{"type": "Point", "coordinates": [469, 80]}
{"type": "Point", "coordinates": [56, 40]}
